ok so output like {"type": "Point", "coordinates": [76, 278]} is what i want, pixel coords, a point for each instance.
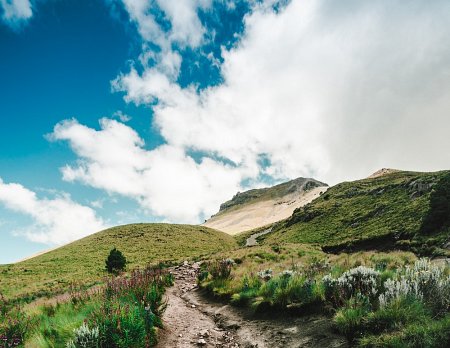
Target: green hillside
{"type": "Point", "coordinates": [372, 213]}
{"type": "Point", "coordinates": [83, 261]}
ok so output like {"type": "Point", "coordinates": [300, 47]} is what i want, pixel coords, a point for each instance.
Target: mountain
{"type": "Point", "coordinates": [259, 207]}
{"type": "Point", "coordinates": [383, 211]}
{"type": "Point", "coordinates": [83, 261]}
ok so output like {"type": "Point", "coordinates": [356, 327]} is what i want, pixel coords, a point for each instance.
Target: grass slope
{"type": "Point", "coordinates": [83, 261]}
{"type": "Point", "coordinates": [376, 211]}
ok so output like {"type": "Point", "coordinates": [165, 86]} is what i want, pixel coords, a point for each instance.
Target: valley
{"type": "Point", "coordinates": [278, 284]}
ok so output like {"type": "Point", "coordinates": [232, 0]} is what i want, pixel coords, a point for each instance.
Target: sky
{"type": "Point", "coordinates": [121, 111]}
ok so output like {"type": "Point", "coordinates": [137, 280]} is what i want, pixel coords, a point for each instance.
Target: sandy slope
{"type": "Point", "coordinates": [261, 213]}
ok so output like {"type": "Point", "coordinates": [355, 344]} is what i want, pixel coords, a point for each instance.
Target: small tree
{"type": "Point", "coordinates": [115, 261]}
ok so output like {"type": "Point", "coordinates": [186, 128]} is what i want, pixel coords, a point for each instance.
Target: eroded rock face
{"type": "Point", "coordinates": [298, 185]}
{"type": "Point", "coordinates": [256, 208]}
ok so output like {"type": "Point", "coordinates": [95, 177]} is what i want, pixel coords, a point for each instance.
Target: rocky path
{"type": "Point", "coordinates": [185, 322]}
{"type": "Point", "coordinates": [191, 320]}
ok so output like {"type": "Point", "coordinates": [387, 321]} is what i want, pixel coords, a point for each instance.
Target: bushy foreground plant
{"type": "Point", "coordinates": [84, 337]}
{"type": "Point", "coordinates": [287, 289]}
{"type": "Point", "coordinates": [361, 280]}
{"type": "Point", "coordinates": [131, 309]}
{"type": "Point", "coordinates": [14, 324]}
{"type": "Point", "coordinates": [406, 308]}
{"type": "Point", "coordinates": [423, 281]}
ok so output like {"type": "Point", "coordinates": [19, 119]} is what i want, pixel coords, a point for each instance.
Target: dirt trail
{"type": "Point", "coordinates": [191, 320]}
{"type": "Point", "coordinates": [253, 239]}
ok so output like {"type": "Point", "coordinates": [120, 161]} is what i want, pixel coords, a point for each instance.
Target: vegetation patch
{"type": "Point", "coordinates": [83, 261]}
{"type": "Point", "coordinates": [126, 312]}
{"type": "Point", "coordinates": [388, 212]}
{"type": "Point", "coordinates": [374, 299]}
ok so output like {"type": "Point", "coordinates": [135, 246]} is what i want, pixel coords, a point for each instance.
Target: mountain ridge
{"type": "Point", "coordinates": [258, 207]}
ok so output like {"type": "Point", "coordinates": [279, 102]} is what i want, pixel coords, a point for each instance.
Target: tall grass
{"type": "Point", "coordinates": [126, 312]}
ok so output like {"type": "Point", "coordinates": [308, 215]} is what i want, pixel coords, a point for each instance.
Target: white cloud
{"type": "Point", "coordinates": [323, 88]}
{"type": "Point", "coordinates": [186, 30]}
{"type": "Point", "coordinates": [121, 116]}
{"type": "Point", "coordinates": [333, 90]}
{"type": "Point", "coordinates": [165, 181]}
{"type": "Point", "coordinates": [56, 221]}
{"type": "Point", "coordinates": [16, 11]}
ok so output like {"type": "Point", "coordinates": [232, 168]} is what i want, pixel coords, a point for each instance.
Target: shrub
{"type": "Point", "coordinates": [276, 248]}
{"type": "Point", "coordinates": [115, 261]}
{"type": "Point", "coordinates": [48, 310]}
{"type": "Point", "coordinates": [316, 266]}
{"type": "Point", "coordinates": [349, 320]}
{"type": "Point", "coordinates": [424, 281]}
{"type": "Point", "coordinates": [249, 290]}
{"type": "Point", "coordinates": [14, 326]}
{"type": "Point", "coordinates": [265, 274]}
{"type": "Point", "coordinates": [395, 315]}
{"type": "Point", "coordinates": [287, 289]}
{"type": "Point", "coordinates": [123, 325]}
{"type": "Point", "coordinates": [360, 280]}
{"type": "Point", "coordinates": [220, 269]}
{"type": "Point", "coordinates": [84, 337]}
{"type": "Point", "coordinates": [131, 309]}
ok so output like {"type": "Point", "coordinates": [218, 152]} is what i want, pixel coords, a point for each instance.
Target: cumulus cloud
{"type": "Point", "coordinates": [121, 116]}
{"type": "Point", "coordinates": [16, 12]}
{"type": "Point", "coordinates": [184, 30]}
{"type": "Point", "coordinates": [323, 88]}
{"type": "Point", "coordinates": [333, 90]}
{"type": "Point", "coordinates": [55, 221]}
{"type": "Point", "coordinates": [165, 181]}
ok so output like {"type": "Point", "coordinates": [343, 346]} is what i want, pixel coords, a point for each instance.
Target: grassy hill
{"type": "Point", "coordinates": [377, 212]}
{"type": "Point", "coordinates": [83, 261]}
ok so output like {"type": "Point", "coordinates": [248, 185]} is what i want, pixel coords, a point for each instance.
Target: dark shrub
{"type": "Point", "coordinates": [220, 269]}
{"type": "Point", "coordinates": [115, 261]}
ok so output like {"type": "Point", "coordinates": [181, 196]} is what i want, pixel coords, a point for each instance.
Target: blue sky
{"type": "Point", "coordinates": [119, 111]}
{"type": "Point", "coordinates": [59, 64]}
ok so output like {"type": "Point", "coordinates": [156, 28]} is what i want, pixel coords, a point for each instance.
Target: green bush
{"type": "Point", "coordinates": [249, 290]}
{"type": "Point", "coordinates": [220, 269]}
{"type": "Point", "coordinates": [115, 261]}
{"type": "Point", "coordinates": [396, 315]}
{"type": "Point", "coordinates": [123, 325]}
{"type": "Point", "coordinates": [350, 321]}
{"type": "Point", "coordinates": [131, 308]}
{"type": "Point", "coordinates": [287, 289]}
